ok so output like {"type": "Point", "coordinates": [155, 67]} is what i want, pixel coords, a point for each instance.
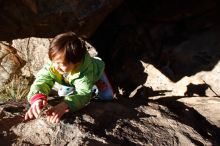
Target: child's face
{"type": "Point", "coordinates": [61, 66]}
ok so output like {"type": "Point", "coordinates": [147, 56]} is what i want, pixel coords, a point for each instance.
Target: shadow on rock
{"type": "Point", "coordinates": [10, 115]}
{"type": "Point", "coordinates": [199, 89]}
{"type": "Point", "coordinates": [101, 117]}
{"type": "Point", "coordinates": [179, 43]}
{"type": "Point", "coordinates": [192, 118]}
{"type": "Point", "coordinates": [123, 121]}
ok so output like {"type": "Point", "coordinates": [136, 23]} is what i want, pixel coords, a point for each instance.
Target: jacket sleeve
{"type": "Point", "coordinates": [82, 94]}
{"type": "Point", "coordinates": [42, 84]}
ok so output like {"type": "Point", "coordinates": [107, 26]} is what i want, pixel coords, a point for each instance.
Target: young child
{"type": "Point", "coordinates": [73, 67]}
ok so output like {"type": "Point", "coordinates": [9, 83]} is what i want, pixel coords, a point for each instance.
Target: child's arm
{"type": "Point", "coordinates": [42, 85]}
{"type": "Point", "coordinates": [37, 96]}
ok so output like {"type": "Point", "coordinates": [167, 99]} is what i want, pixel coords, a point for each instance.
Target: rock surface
{"type": "Point", "coordinates": [162, 59]}
{"type": "Point", "coordinates": [10, 63]}
{"type": "Point", "coordinates": [130, 122]}
{"type": "Point", "coordinates": [39, 18]}
{"type": "Point", "coordinates": [151, 116]}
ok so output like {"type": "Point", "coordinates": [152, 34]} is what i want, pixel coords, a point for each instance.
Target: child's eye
{"type": "Point", "coordinates": [61, 64]}
{"type": "Point", "coordinates": [64, 64]}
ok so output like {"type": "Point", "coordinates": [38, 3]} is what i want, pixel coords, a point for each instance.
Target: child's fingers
{"type": "Point", "coordinates": [44, 103]}
{"type": "Point", "coordinates": [54, 118]}
{"type": "Point", "coordinates": [57, 120]}
{"type": "Point", "coordinates": [48, 118]}
{"type": "Point", "coordinates": [38, 108]}
{"type": "Point", "coordinates": [67, 110]}
{"type": "Point", "coordinates": [34, 111]}
{"type": "Point", "coordinates": [26, 116]}
{"type": "Point", "coordinates": [29, 114]}
{"type": "Point", "coordinates": [51, 118]}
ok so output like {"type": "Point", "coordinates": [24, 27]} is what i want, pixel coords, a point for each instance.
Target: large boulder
{"type": "Point", "coordinates": [130, 122]}
{"type": "Point", "coordinates": [42, 18]}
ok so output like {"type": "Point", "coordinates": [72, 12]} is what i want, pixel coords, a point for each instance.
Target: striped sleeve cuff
{"type": "Point", "coordinates": [38, 96]}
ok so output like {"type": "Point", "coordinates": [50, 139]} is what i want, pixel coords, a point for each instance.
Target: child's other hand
{"type": "Point", "coordinates": [55, 113]}
{"type": "Point", "coordinates": [35, 109]}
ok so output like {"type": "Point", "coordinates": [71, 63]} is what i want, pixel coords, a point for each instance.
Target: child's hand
{"type": "Point", "coordinates": [55, 113]}
{"type": "Point", "coordinates": [35, 109]}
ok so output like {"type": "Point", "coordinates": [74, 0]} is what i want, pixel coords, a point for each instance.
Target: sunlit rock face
{"type": "Point", "coordinates": [35, 52]}
{"type": "Point", "coordinates": [10, 63]}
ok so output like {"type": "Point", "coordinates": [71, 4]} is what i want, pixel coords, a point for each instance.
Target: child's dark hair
{"type": "Point", "coordinates": [69, 45]}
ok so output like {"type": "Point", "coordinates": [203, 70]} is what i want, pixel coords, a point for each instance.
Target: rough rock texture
{"type": "Point", "coordinates": [130, 122]}
{"type": "Point", "coordinates": [163, 61]}
{"type": "Point", "coordinates": [212, 78]}
{"type": "Point", "coordinates": [34, 51]}
{"type": "Point", "coordinates": [46, 18]}
{"type": "Point", "coordinates": [151, 116]}
{"type": "Point", "coordinates": [10, 63]}
{"type": "Point", "coordinates": [26, 57]}
{"type": "Point", "coordinates": [37, 50]}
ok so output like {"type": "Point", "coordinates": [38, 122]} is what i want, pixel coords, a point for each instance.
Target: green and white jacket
{"type": "Point", "coordinates": [83, 79]}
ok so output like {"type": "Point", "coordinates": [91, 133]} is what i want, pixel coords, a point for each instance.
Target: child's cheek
{"type": "Point", "coordinates": [63, 68]}
{"type": "Point", "coordinates": [55, 65]}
